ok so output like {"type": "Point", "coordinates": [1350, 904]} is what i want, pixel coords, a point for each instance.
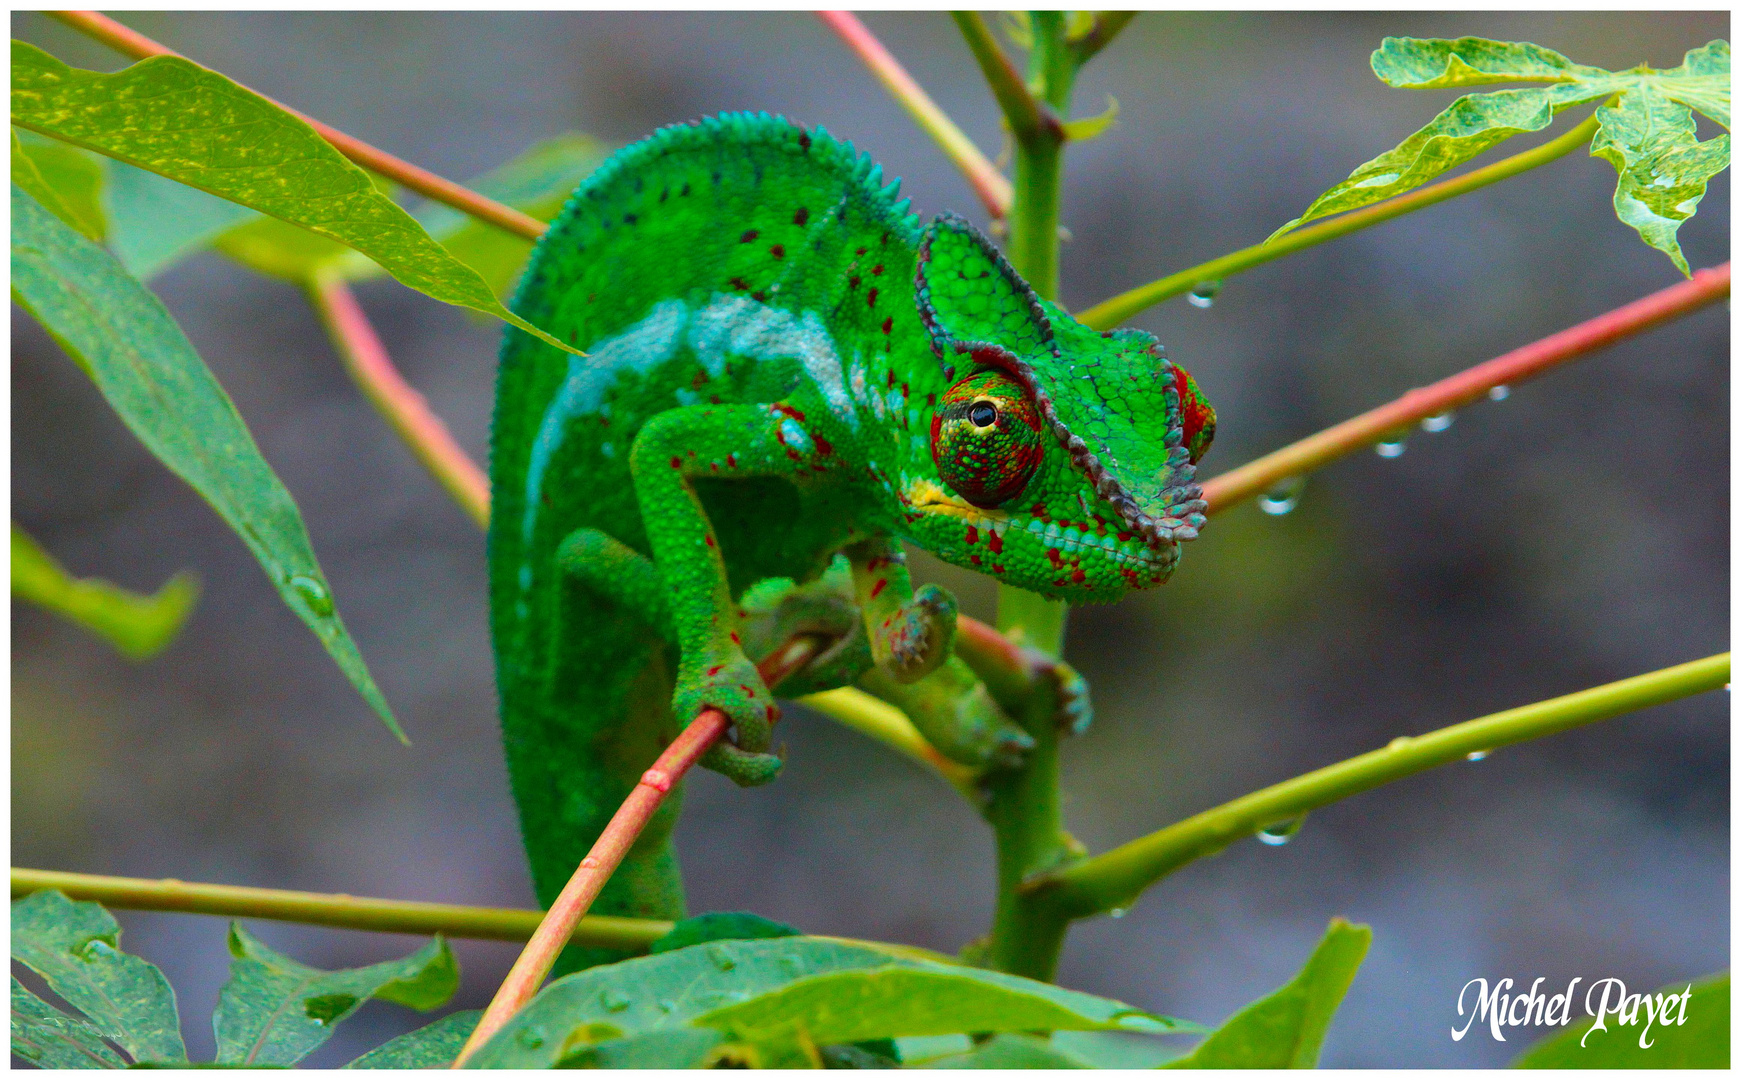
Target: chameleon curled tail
{"type": "Point", "coordinates": [786, 375]}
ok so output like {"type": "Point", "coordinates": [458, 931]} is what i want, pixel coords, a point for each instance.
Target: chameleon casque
{"type": "Point", "coordinates": [787, 373]}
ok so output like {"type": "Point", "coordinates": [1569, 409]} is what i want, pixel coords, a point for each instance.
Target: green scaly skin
{"type": "Point", "coordinates": [785, 367]}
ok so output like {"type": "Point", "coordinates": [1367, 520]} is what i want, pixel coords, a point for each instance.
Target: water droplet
{"type": "Point", "coordinates": [1282, 498]}
{"type": "Point", "coordinates": [1399, 742]}
{"type": "Point", "coordinates": [1499, 393]}
{"type": "Point", "coordinates": [1281, 832]}
{"type": "Point", "coordinates": [1119, 912]}
{"type": "Point", "coordinates": [667, 1006]}
{"type": "Point", "coordinates": [313, 594]}
{"type": "Point", "coordinates": [614, 1000]}
{"type": "Point", "coordinates": [1202, 294]}
{"type": "Point", "coordinates": [1476, 755]}
{"type": "Point", "coordinates": [1392, 446]}
{"type": "Point", "coordinates": [95, 949]}
{"type": "Point", "coordinates": [1438, 423]}
{"type": "Point", "coordinates": [530, 1037]}
{"type": "Point", "coordinates": [721, 957]}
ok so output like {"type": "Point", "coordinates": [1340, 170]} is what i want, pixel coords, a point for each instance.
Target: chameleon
{"type": "Point", "coordinates": [786, 376]}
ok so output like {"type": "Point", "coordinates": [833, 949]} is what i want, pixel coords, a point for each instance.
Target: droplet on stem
{"type": "Point", "coordinates": [1499, 393]}
{"type": "Point", "coordinates": [1202, 294]}
{"type": "Point", "coordinates": [1281, 832]}
{"type": "Point", "coordinates": [1118, 912]}
{"type": "Point", "coordinates": [1399, 742]}
{"type": "Point", "coordinates": [1438, 422]}
{"type": "Point", "coordinates": [1476, 755]}
{"type": "Point", "coordinates": [1390, 446]}
{"type": "Point", "coordinates": [1282, 498]}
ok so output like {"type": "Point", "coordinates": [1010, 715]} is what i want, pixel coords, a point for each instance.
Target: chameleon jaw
{"type": "Point", "coordinates": [1143, 554]}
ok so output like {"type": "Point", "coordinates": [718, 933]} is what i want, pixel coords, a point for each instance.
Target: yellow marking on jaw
{"type": "Point", "coordinates": [921, 494]}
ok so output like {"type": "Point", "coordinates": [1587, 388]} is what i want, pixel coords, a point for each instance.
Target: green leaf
{"type": "Point", "coordinates": [76, 948]}
{"type": "Point", "coordinates": [1118, 1050]}
{"type": "Point", "coordinates": [1011, 1050]}
{"type": "Point", "coordinates": [721, 926]}
{"type": "Point", "coordinates": [1286, 1029]}
{"type": "Point", "coordinates": [176, 118]}
{"type": "Point", "coordinates": [1701, 1041]}
{"type": "Point", "coordinates": [66, 180]}
{"type": "Point", "coordinates": [50, 1039]}
{"type": "Point", "coordinates": [155, 222]}
{"type": "Point", "coordinates": [659, 992]}
{"type": "Point", "coordinates": [921, 998]}
{"type": "Point", "coordinates": [431, 1047]}
{"type": "Point", "coordinates": [1646, 129]}
{"type": "Point", "coordinates": [139, 626]}
{"type": "Point", "coordinates": [124, 339]}
{"type": "Point", "coordinates": [1090, 127]}
{"type": "Point", "coordinates": [274, 1010]}
{"type": "Point", "coordinates": [1661, 164]}
{"type": "Point", "coordinates": [677, 1048]}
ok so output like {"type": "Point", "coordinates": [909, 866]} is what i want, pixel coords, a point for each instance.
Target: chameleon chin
{"type": "Point", "coordinates": [787, 373]}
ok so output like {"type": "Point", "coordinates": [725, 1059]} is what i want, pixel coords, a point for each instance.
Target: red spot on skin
{"type": "Point", "coordinates": [804, 140]}
{"type": "Point", "coordinates": [1078, 576]}
{"type": "Point", "coordinates": [878, 587]}
{"type": "Point", "coordinates": [1130, 576]}
{"type": "Point", "coordinates": [1059, 583]}
{"type": "Point", "coordinates": [997, 568]}
{"type": "Point", "coordinates": [710, 542]}
{"type": "Point", "coordinates": [782, 407]}
{"type": "Point", "coordinates": [823, 447]}
{"type": "Point", "coordinates": [877, 269]}
{"type": "Point", "coordinates": [852, 282]}
{"type": "Point", "coordinates": [1123, 536]}
{"type": "Point", "coordinates": [875, 563]}
{"type": "Point", "coordinates": [793, 454]}
{"type": "Point", "coordinates": [904, 391]}
{"type": "Point", "coordinates": [715, 670]}
{"type": "Point", "coordinates": [972, 535]}
{"type": "Point", "coordinates": [714, 465]}
{"type": "Point", "coordinates": [778, 251]}
{"type": "Point", "coordinates": [772, 712]}
{"type": "Point", "coordinates": [734, 638]}
{"type": "Point", "coordinates": [860, 251]}
{"type": "Point", "coordinates": [740, 284]}
{"type": "Point", "coordinates": [731, 461]}
{"type": "Point", "coordinates": [748, 236]}
{"type": "Point", "coordinates": [888, 324]}
{"type": "Point", "coordinates": [1039, 511]}
{"type": "Point", "coordinates": [699, 379]}
{"type": "Point", "coordinates": [802, 215]}
{"type": "Point", "coordinates": [1056, 556]}
{"type": "Point", "coordinates": [676, 463]}
{"type": "Point", "coordinates": [996, 543]}
{"type": "Point", "coordinates": [930, 399]}
{"type": "Point", "coordinates": [974, 559]}
{"type": "Point", "coordinates": [759, 296]}
{"type": "Point", "coordinates": [891, 379]}
{"type": "Point", "coordinates": [713, 399]}
{"type": "Point", "coordinates": [747, 691]}
{"type": "Point", "coordinates": [872, 298]}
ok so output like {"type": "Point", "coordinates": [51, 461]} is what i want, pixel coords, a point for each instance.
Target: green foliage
{"type": "Point", "coordinates": [139, 626]}
{"type": "Point", "coordinates": [1011, 1050]}
{"type": "Point", "coordinates": [1286, 1029]}
{"type": "Point", "coordinates": [274, 1011]}
{"type": "Point", "coordinates": [183, 121]}
{"type": "Point", "coordinates": [64, 179]}
{"type": "Point", "coordinates": [76, 948]}
{"type": "Point", "coordinates": [1702, 1042]}
{"type": "Point", "coordinates": [50, 1039]}
{"type": "Point", "coordinates": [1645, 130]}
{"type": "Point", "coordinates": [721, 926]}
{"type": "Point", "coordinates": [155, 222]}
{"type": "Point", "coordinates": [122, 336]}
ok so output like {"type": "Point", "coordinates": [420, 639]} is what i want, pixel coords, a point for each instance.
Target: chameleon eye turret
{"type": "Point", "coordinates": [986, 438]}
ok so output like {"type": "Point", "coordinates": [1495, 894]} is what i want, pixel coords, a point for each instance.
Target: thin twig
{"type": "Point", "coordinates": [1113, 879]}
{"type": "Point", "coordinates": [608, 850]}
{"type": "Point", "coordinates": [1315, 451]}
{"type": "Point", "coordinates": [1109, 313]}
{"type": "Point", "coordinates": [334, 909]}
{"type": "Point", "coordinates": [987, 183]}
{"type": "Point", "coordinates": [130, 42]}
{"type": "Point", "coordinates": [1026, 114]}
{"type": "Point", "coordinates": [1107, 25]}
{"type": "Point", "coordinates": [401, 406]}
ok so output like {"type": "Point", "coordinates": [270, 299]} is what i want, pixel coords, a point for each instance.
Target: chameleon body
{"type": "Point", "coordinates": [786, 374]}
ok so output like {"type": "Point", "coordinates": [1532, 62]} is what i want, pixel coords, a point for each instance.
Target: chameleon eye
{"type": "Point", "coordinates": [985, 438]}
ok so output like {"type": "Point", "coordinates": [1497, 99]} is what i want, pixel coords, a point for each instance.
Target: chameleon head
{"type": "Point", "coordinates": [1061, 457]}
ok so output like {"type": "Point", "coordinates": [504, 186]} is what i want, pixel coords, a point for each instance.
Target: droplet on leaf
{"type": "Point", "coordinates": [313, 594]}
{"type": "Point", "coordinates": [1202, 294]}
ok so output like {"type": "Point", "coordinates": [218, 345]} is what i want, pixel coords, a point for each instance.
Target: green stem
{"type": "Point", "coordinates": [329, 909]}
{"type": "Point", "coordinates": [1114, 879]}
{"type": "Point", "coordinates": [1109, 313]}
{"type": "Point", "coordinates": [1107, 25]}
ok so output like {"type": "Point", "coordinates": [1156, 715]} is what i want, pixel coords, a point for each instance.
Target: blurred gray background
{"type": "Point", "coordinates": [1575, 534]}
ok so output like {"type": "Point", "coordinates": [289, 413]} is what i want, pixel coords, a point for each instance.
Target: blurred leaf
{"type": "Point", "coordinates": [662, 991]}
{"type": "Point", "coordinates": [119, 333]}
{"type": "Point", "coordinates": [139, 626]}
{"type": "Point", "coordinates": [1286, 1029]}
{"type": "Point", "coordinates": [50, 1039]}
{"type": "Point", "coordinates": [76, 948]}
{"type": "Point", "coordinates": [183, 121]}
{"type": "Point", "coordinates": [274, 1010]}
{"type": "Point", "coordinates": [1011, 1051]}
{"type": "Point", "coordinates": [1701, 1042]}
{"type": "Point", "coordinates": [920, 998]}
{"type": "Point", "coordinates": [64, 179]}
{"type": "Point", "coordinates": [155, 222]}
{"type": "Point", "coordinates": [1662, 166]}
{"type": "Point", "coordinates": [1092, 126]}
{"type": "Point", "coordinates": [721, 926]}
{"type": "Point", "coordinates": [675, 1048]}
{"type": "Point", "coordinates": [1117, 1049]}
{"type": "Point", "coordinates": [1646, 131]}
{"type": "Point", "coordinates": [431, 1047]}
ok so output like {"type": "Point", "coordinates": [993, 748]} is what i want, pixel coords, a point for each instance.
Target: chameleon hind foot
{"type": "Point", "coordinates": [735, 688]}
{"type": "Point", "coordinates": [911, 632]}
{"type": "Point", "coordinates": [774, 610]}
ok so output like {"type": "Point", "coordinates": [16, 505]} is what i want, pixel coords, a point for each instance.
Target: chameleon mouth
{"type": "Point", "coordinates": [1135, 553]}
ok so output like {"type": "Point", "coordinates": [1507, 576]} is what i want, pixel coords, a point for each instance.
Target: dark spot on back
{"type": "Point", "coordinates": [778, 251]}
{"type": "Point", "coordinates": [801, 216]}
{"type": "Point", "coordinates": [749, 234]}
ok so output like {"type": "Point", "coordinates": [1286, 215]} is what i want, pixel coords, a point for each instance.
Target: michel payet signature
{"type": "Point", "coordinates": [1499, 1009]}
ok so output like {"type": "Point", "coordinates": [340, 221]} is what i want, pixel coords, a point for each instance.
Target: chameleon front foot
{"type": "Point", "coordinates": [734, 687]}
{"type": "Point", "coordinates": [917, 637]}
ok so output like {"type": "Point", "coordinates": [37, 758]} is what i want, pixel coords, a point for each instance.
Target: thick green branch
{"type": "Point", "coordinates": [1109, 313]}
{"type": "Point", "coordinates": [1114, 879]}
{"type": "Point", "coordinates": [1316, 451]}
{"type": "Point", "coordinates": [334, 909]}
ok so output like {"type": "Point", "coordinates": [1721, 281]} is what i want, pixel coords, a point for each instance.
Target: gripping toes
{"type": "Point", "coordinates": [734, 688]}
{"type": "Point", "coordinates": [914, 639]}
